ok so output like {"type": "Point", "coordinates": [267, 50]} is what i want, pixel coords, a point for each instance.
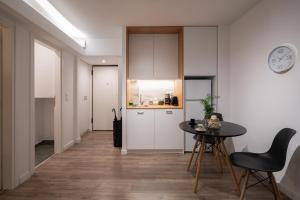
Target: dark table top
{"type": "Point", "coordinates": [227, 129]}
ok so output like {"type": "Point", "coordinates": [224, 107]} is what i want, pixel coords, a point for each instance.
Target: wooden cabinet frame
{"type": "Point", "coordinates": [159, 30]}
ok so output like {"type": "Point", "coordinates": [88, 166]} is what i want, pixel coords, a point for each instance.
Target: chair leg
{"type": "Point", "coordinates": [202, 149]}
{"type": "Point", "coordinates": [245, 185]}
{"type": "Point", "coordinates": [193, 153]}
{"type": "Point", "coordinates": [230, 165]}
{"type": "Point", "coordinates": [217, 157]}
{"type": "Point", "coordinates": [277, 194]}
{"type": "Point", "coordinates": [222, 157]}
{"type": "Point", "coordinates": [242, 175]}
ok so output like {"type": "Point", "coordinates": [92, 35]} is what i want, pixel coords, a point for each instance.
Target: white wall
{"type": "Point", "coordinates": [21, 95]}
{"type": "Point", "coordinates": [261, 100]}
{"type": "Point", "coordinates": [44, 88]}
{"type": "Point", "coordinates": [106, 46]}
{"type": "Point", "coordinates": [44, 119]}
{"type": "Point", "coordinates": [223, 72]}
{"type": "Point", "coordinates": [44, 66]}
{"type": "Point", "coordinates": [122, 70]}
{"type": "Point", "coordinates": [22, 105]}
{"type": "Point", "coordinates": [68, 67]}
{"type": "Point", "coordinates": [84, 98]}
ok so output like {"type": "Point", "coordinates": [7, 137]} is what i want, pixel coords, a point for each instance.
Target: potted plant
{"type": "Point", "coordinates": [208, 106]}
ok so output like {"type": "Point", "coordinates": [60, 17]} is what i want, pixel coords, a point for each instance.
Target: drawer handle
{"type": "Point", "coordinates": [140, 113]}
{"type": "Point", "coordinates": [169, 112]}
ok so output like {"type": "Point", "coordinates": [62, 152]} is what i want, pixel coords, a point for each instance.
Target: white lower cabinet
{"type": "Point", "coordinates": [168, 135]}
{"type": "Point", "coordinates": [140, 129]}
{"type": "Point", "coordinates": [154, 129]}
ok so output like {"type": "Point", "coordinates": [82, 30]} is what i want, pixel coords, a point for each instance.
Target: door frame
{"type": "Point", "coordinates": [1, 140]}
{"type": "Point", "coordinates": [57, 109]}
{"type": "Point", "coordinates": [7, 90]}
{"type": "Point", "coordinates": [93, 91]}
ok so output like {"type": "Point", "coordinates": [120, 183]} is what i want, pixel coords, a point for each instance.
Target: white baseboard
{"type": "Point", "coordinates": [43, 140]}
{"type": "Point", "coordinates": [124, 152]}
{"type": "Point", "coordinates": [24, 177]}
{"type": "Point", "coordinates": [68, 145]}
{"type": "Point", "coordinates": [78, 140]}
{"type": "Point", "coordinates": [85, 132]}
{"type": "Point", "coordinates": [38, 142]}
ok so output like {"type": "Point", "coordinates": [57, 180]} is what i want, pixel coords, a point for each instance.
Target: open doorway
{"type": "Point", "coordinates": [105, 96]}
{"type": "Point", "coordinates": [47, 101]}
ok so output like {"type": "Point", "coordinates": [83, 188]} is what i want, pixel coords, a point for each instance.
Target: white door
{"type": "Point", "coordinates": [194, 91]}
{"type": "Point", "coordinates": [105, 97]}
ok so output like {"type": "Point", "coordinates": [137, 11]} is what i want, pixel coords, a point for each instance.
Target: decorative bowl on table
{"type": "Point", "coordinates": [200, 128]}
{"type": "Point", "coordinates": [213, 122]}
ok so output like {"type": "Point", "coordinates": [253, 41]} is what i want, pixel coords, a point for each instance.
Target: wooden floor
{"type": "Point", "coordinates": [95, 170]}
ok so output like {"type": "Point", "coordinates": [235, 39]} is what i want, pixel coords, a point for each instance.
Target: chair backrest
{"type": "Point", "coordinates": [219, 116]}
{"type": "Point", "coordinates": [280, 145]}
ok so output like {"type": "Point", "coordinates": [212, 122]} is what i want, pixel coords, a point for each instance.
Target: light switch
{"type": "Point", "coordinates": [66, 96]}
{"type": "Point", "coordinates": [85, 98]}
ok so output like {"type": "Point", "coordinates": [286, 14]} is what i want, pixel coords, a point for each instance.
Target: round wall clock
{"type": "Point", "coordinates": [282, 58]}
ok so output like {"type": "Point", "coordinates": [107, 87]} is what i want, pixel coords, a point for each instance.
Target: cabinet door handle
{"type": "Point", "coordinates": [140, 113]}
{"type": "Point", "coordinates": [169, 112]}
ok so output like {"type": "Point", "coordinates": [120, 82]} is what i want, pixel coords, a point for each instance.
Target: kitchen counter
{"type": "Point", "coordinates": [155, 107]}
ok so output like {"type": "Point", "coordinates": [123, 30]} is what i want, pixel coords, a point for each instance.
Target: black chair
{"type": "Point", "coordinates": [269, 162]}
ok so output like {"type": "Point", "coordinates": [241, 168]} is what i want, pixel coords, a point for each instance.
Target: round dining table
{"type": "Point", "coordinates": [214, 137]}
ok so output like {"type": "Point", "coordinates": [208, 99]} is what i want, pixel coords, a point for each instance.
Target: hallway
{"type": "Point", "coordinates": [94, 170]}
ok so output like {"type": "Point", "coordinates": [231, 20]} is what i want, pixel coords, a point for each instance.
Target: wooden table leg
{"type": "Point", "coordinates": [217, 157]}
{"type": "Point", "coordinates": [193, 153]}
{"type": "Point", "coordinates": [195, 166]}
{"type": "Point", "coordinates": [202, 150]}
{"type": "Point", "coordinates": [230, 165]}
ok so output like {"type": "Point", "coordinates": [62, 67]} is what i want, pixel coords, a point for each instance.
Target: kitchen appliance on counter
{"type": "Point", "coordinates": [195, 89]}
{"type": "Point", "coordinates": [167, 99]}
{"type": "Point", "coordinates": [174, 100]}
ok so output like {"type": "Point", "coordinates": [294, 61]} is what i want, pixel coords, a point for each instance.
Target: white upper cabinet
{"type": "Point", "coordinates": [166, 56]}
{"type": "Point", "coordinates": [200, 51]}
{"type": "Point", "coordinates": [153, 56]}
{"type": "Point", "coordinates": [141, 56]}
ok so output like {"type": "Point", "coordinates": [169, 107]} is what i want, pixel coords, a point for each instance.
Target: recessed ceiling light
{"type": "Point", "coordinates": [103, 61]}
{"type": "Point", "coordinates": [46, 9]}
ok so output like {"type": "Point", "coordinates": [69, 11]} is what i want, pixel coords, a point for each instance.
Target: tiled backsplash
{"type": "Point", "coordinates": [150, 90]}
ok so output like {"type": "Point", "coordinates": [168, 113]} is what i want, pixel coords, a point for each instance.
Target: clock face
{"type": "Point", "coordinates": [281, 59]}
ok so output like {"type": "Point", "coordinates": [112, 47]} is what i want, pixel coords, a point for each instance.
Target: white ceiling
{"type": "Point", "coordinates": [103, 18]}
